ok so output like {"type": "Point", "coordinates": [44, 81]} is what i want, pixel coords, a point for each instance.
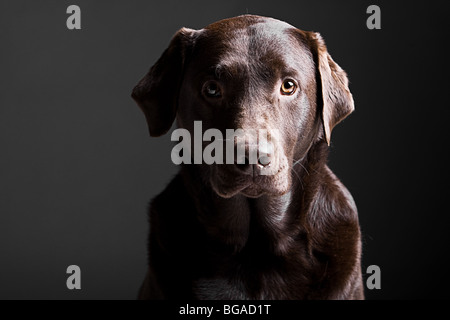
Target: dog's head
{"type": "Point", "coordinates": [252, 73]}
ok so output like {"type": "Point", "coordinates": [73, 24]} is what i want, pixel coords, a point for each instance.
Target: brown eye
{"type": "Point", "coordinates": [212, 89]}
{"type": "Point", "coordinates": [288, 87]}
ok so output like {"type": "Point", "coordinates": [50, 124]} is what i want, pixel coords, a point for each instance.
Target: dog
{"type": "Point", "coordinates": [232, 231]}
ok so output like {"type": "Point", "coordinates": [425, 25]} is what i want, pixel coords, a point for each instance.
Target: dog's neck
{"type": "Point", "coordinates": [268, 221]}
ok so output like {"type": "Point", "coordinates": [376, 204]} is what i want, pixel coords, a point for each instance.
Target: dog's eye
{"type": "Point", "coordinates": [212, 89]}
{"type": "Point", "coordinates": [288, 87]}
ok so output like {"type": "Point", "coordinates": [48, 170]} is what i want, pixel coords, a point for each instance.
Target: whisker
{"type": "Point", "coordinates": [299, 179]}
{"type": "Point", "coordinates": [299, 162]}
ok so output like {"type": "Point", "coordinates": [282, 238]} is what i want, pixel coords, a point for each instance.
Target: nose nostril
{"type": "Point", "coordinates": [264, 161]}
{"type": "Point", "coordinates": [244, 163]}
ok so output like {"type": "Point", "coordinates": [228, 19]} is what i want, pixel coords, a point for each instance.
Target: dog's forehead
{"type": "Point", "coordinates": [239, 25]}
{"type": "Point", "coordinates": [244, 38]}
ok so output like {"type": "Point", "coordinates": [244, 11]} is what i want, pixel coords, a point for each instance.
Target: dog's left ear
{"type": "Point", "coordinates": [157, 93]}
{"type": "Point", "coordinates": [337, 99]}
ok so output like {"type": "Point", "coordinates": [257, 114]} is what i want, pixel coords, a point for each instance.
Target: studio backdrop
{"type": "Point", "coordinates": [78, 167]}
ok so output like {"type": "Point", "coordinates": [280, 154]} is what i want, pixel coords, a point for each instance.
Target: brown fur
{"type": "Point", "coordinates": [227, 231]}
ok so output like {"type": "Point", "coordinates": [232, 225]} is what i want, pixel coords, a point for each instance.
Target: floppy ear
{"type": "Point", "coordinates": [337, 101]}
{"type": "Point", "coordinates": [157, 93]}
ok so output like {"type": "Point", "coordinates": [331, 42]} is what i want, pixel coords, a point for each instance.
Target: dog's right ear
{"type": "Point", "coordinates": [157, 93]}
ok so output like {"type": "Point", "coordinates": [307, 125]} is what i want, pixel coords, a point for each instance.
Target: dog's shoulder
{"type": "Point", "coordinates": [331, 202]}
{"type": "Point", "coordinates": [333, 220]}
{"type": "Point", "coordinates": [170, 199]}
{"type": "Point", "coordinates": [171, 211]}
{"type": "Point", "coordinates": [335, 236]}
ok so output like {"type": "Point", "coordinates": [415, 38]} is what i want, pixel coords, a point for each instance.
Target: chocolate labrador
{"type": "Point", "coordinates": [283, 227]}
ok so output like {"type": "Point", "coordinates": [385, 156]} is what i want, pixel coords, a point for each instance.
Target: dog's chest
{"type": "Point", "coordinates": [255, 281]}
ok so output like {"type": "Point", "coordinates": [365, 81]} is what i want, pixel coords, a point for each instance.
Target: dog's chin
{"type": "Point", "coordinates": [229, 184]}
{"type": "Point", "coordinates": [226, 191]}
{"type": "Point", "coordinates": [253, 191]}
{"type": "Point", "coordinates": [250, 190]}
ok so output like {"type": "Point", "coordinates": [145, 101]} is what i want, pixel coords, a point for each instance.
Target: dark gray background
{"type": "Point", "coordinates": [77, 167]}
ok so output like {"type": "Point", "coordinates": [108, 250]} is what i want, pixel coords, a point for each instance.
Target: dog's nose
{"type": "Point", "coordinates": [249, 163]}
{"type": "Point", "coordinates": [253, 153]}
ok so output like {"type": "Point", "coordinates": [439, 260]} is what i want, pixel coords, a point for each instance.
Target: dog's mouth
{"type": "Point", "coordinates": [253, 191]}
{"type": "Point", "coordinates": [228, 184]}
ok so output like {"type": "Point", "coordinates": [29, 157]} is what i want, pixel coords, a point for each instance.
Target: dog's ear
{"type": "Point", "coordinates": [337, 101]}
{"type": "Point", "coordinates": [157, 93]}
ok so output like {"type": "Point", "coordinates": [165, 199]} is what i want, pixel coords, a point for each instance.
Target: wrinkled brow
{"type": "Point", "coordinates": [228, 70]}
